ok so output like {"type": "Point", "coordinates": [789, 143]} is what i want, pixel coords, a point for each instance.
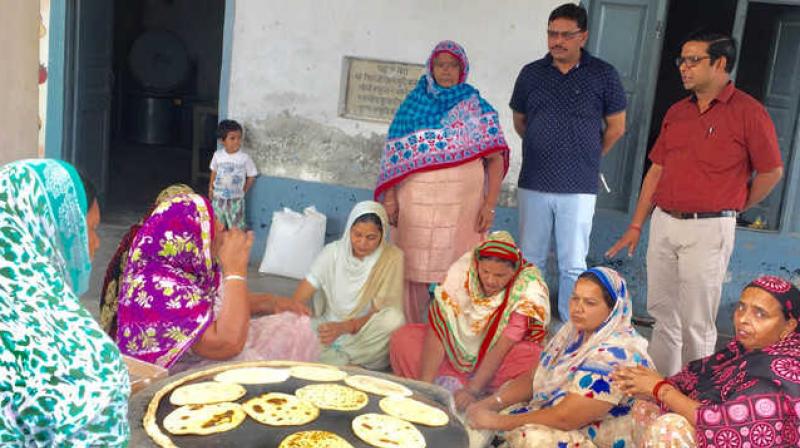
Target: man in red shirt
{"type": "Point", "coordinates": [703, 160]}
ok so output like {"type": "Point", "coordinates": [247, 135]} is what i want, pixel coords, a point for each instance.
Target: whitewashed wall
{"type": "Point", "coordinates": [287, 66]}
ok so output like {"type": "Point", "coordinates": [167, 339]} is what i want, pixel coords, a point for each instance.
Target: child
{"type": "Point", "coordinates": [232, 174]}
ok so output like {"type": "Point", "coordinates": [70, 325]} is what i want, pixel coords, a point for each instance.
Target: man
{"type": "Point", "coordinates": [703, 160]}
{"type": "Point", "coordinates": [569, 109]}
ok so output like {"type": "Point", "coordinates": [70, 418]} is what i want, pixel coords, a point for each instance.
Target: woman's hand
{"type": "Point", "coordinates": [481, 417]}
{"type": "Point", "coordinates": [330, 331]}
{"type": "Point", "coordinates": [234, 251]}
{"type": "Point", "coordinates": [485, 218]}
{"type": "Point", "coordinates": [636, 381]}
{"type": "Point", "coordinates": [463, 398]}
{"type": "Point", "coordinates": [283, 304]}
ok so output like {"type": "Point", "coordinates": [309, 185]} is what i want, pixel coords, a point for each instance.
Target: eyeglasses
{"type": "Point", "coordinates": [566, 35]}
{"type": "Point", "coordinates": [690, 61]}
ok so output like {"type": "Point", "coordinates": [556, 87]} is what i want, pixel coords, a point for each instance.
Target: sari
{"type": "Point", "coordinates": [349, 287]}
{"type": "Point", "coordinates": [171, 293]}
{"type": "Point", "coordinates": [468, 323]}
{"type": "Point", "coordinates": [109, 295]}
{"type": "Point", "coordinates": [748, 397]}
{"type": "Point", "coordinates": [575, 363]}
{"type": "Point", "coordinates": [62, 380]}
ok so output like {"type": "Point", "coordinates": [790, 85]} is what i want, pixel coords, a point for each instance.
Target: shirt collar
{"type": "Point", "coordinates": [585, 58]}
{"type": "Point", "coordinates": [724, 95]}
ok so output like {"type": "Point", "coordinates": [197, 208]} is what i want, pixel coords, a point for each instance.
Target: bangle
{"type": "Point", "coordinates": [498, 399]}
{"type": "Point", "coordinates": [657, 389]}
{"type": "Point", "coordinates": [234, 277]}
{"type": "Point", "coordinates": [635, 227]}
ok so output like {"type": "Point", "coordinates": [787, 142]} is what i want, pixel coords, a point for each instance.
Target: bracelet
{"type": "Point", "coordinates": [234, 277]}
{"type": "Point", "coordinates": [657, 389]}
{"type": "Point", "coordinates": [635, 227]}
{"type": "Point", "coordinates": [498, 399]}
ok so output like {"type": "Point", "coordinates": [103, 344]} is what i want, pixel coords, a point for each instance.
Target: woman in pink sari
{"type": "Point", "coordinates": [184, 300]}
{"type": "Point", "coordinates": [440, 172]}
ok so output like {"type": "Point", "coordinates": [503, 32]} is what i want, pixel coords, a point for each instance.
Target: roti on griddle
{"type": "Point", "coordinates": [277, 409]}
{"type": "Point", "coordinates": [377, 386]}
{"type": "Point", "coordinates": [253, 375]}
{"type": "Point", "coordinates": [318, 373]}
{"type": "Point", "coordinates": [333, 397]}
{"type": "Point", "coordinates": [314, 439]}
{"type": "Point", "coordinates": [413, 411]}
{"type": "Point", "coordinates": [203, 419]}
{"type": "Point", "coordinates": [206, 392]}
{"type": "Point", "coordinates": [385, 431]}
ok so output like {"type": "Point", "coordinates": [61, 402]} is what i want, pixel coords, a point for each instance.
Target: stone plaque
{"type": "Point", "coordinates": [372, 89]}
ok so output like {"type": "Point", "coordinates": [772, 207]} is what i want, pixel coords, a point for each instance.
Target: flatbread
{"type": "Point", "coordinates": [413, 411]}
{"type": "Point", "coordinates": [206, 392]}
{"type": "Point", "coordinates": [277, 409]}
{"type": "Point", "coordinates": [385, 431]}
{"type": "Point", "coordinates": [318, 373]}
{"type": "Point", "coordinates": [333, 396]}
{"type": "Point", "coordinates": [204, 419]}
{"type": "Point", "coordinates": [314, 439]}
{"type": "Point", "coordinates": [377, 386]}
{"type": "Point", "coordinates": [253, 375]}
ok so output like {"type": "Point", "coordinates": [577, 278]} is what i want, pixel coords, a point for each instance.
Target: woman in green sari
{"type": "Point", "coordinates": [62, 380]}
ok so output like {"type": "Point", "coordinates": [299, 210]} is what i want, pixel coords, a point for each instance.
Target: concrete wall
{"type": "Point", "coordinates": [19, 68]}
{"type": "Point", "coordinates": [287, 62]}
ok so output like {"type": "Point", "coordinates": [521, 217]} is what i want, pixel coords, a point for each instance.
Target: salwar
{"type": "Point", "coordinates": [369, 347]}
{"type": "Point", "coordinates": [405, 353]}
{"type": "Point", "coordinates": [535, 436]}
{"type": "Point", "coordinates": [416, 302]}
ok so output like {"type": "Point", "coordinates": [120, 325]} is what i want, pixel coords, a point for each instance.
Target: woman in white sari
{"type": "Point", "coordinates": [357, 289]}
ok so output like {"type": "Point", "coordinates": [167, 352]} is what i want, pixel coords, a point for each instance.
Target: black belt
{"type": "Point", "coordinates": [700, 215]}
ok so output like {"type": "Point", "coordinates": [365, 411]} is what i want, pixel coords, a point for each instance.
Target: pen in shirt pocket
{"type": "Point", "coordinates": [710, 131]}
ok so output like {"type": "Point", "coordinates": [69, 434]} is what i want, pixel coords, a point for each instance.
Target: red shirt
{"type": "Point", "coordinates": [707, 158]}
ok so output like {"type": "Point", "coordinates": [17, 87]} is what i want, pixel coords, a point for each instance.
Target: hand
{"type": "Point", "coordinates": [234, 251]}
{"type": "Point", "coordinates": [463, 398]}
{"type": "Point", "coordinates": [330, 331]}
{"type": "Point", "coordinates": [635, 381]}
{"type": "Point", "coordinates": [481, 417]}
{"type": "Point", "coordinates": [485, 218]}
{"type": "Point", "coordinates": [629, 239]}
{"type": "Point", "coordinates": [282, 304]}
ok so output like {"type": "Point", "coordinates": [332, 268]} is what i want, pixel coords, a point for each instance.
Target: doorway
{"type": "Point", "coordinates": [151, 65]}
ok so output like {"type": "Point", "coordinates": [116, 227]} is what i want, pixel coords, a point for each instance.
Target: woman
{"type": "Point", "coordinates": [109, 296]}
{"type": "Point", "coordinates": [571, 400]}
{"type": "Point", "coordinates": [440, 173]}
{"type": "Point", "coordinates": [62, 380]}
{"type": "Point", "coordinates": [747, 394]}
{"type": "Point", "coordinates": [180, 308]}
{"type": "Point", "coordinates": [486, 323]}
{"type": "Point", "coordinates": [357, 285]}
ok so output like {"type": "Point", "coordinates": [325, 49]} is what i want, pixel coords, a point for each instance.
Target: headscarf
{"type": "Point", "coordinates": [62, 380]}
{"type": "Point", "coordinates": [170, 283]}
{"type": "Point", "coordinates": [749, 396]}
{"type": "Point", "coordinates": [351, 285]}
{"type": "Point", "coordinates": [437, 127]}
{"type": "Point", "coordinates": [614, 343]}
{"type": "Point", "coordinates": [109, 295]}
{"type": "Point", "coordinates": [469, 323]}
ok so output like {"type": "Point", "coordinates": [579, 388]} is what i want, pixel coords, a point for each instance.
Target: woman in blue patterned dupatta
{"type": "Point", "coordinates": [571, 400]}
{"type": "Point", "coordinates": [62, 380]}
{"type": "Point", "coordinates": [440, 172]}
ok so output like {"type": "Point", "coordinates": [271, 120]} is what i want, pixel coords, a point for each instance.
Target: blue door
{"type": "Point", "coordinates": [628, 34]}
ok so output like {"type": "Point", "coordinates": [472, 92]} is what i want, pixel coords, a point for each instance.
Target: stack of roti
{"type": "Point", "coordinates": [385, 431]}
{"type": "Point", "coordinates": [277, 409]}
{"type": "Point", "coordinates": [253, 375]}
{"type": "Point", "coordinates": [377, 386]}
{"type": "Point", "coordinates": [333, 396]}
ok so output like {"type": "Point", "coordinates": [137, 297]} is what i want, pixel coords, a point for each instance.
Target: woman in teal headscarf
{"type": "Point", "coordinates": [62, 380]}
